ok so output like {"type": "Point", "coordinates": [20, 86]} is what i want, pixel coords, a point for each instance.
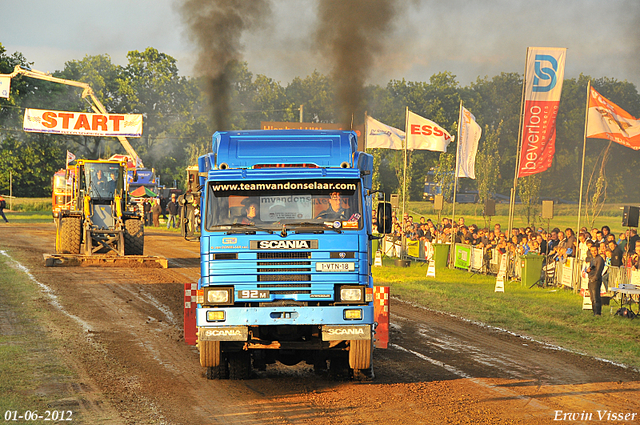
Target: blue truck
{"type": "Point", "coordinates": [286, 253]}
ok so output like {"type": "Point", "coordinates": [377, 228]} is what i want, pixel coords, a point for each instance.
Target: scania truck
{"type": "Point", "coordinates": [285, 248]}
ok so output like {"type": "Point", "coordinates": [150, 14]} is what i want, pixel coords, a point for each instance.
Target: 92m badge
{"type": "Point", "coordinates": [253, 294]}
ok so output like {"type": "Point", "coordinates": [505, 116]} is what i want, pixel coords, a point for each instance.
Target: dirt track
{"type": "Point", "coordinates": [122, 328]}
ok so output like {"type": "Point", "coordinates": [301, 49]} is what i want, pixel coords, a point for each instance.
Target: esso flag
{"type": "Point", "coordinates": [424, 134]}
{"type": "Point", "coordinates": [543, 85]}
{"type": "Point", "coordinates": [82, 124]}
{"type": "Point", "coordinates": [606, 120]}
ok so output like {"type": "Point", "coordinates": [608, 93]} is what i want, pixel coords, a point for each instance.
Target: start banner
{"type": "Point", "coordinates": [82, 124]}
{"type": "Point", "coordinates": [544, 75]}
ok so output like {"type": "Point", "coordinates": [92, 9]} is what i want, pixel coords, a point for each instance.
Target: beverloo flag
{"type": "Point", "coordinates": [424, 134]}
{"type": "Point", "coordinates": [380, 135]}
{"type": "Point", "coordinates": [543, 85]}
{"type": "Point", "coordinates": [606, 120]}
{"type": "Point", "coordinates": [468, 138]}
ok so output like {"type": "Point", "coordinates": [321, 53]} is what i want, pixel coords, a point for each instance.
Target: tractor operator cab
{"type": "Point", "coordinates": [297, 206]}
{"type": "Point", "coordinates": [103, 181]}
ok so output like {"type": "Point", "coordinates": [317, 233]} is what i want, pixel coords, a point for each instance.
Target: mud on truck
{"type": "Point", "coordinates": [285, 252]}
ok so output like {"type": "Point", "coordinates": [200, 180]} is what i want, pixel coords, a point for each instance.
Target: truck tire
{"type": "Point", "coordinates": [240, 366]}
{"type": "Point", "coordinates": [360, 354]}
{"type": "Point", "coordinates": [210, 353]}
{"type": "Point", "coordinates": [218, 372]}
{"type": "Point", "coordinates": [69, 235]}
{"type": "Point", "coordinates": [133, 237]}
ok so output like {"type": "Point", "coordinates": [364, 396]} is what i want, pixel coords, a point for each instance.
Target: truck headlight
{"type": "Point", "coordinates": [217, 296]}
{"type": "Point", "coordinates": [352, 294]}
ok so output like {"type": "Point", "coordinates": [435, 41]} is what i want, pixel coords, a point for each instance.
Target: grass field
{"type": "Point", "coordinates": [552, 315]}
{"type": "Point", "coordinates": [29, 366]}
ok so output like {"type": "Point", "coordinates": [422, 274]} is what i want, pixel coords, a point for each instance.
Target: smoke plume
{"type": "Point", "coordinates": [351, 33]}
{"type": "Point", "coordinates": [216, 26]}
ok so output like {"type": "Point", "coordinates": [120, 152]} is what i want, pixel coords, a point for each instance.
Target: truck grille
{"type": "Point", "coordinates": [284, 255]}
{"type": "Point", "coordinates": [284, 277]}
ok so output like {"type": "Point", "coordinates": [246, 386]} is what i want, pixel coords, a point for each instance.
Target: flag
{"type": "Point", "coordinates": [543, 85]}
{"type": "Point", "coordinates": [70, 157]}
{"type": "Point", "coordinates": [5, 87]}
{"type": "Point", "coordinates": [606, 120]}
{"type": "Point", "coordinates": [426, 135]}
{"type": "Point", "coordinates": [380, 135]}
{"type": "Point", "coordinates": [468, 138]}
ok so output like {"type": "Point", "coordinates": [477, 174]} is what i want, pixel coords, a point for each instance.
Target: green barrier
{"type": "Point", "coordinates": [462, 257]}
{"type": "Point", "coordinates": [531, 268]}
{"type": "Point", "coordinates": [441, 255]}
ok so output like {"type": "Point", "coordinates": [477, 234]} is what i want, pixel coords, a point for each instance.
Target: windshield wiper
{"type": "Point", "coordinates": [248, 228]}
{"type": "Point", "coordinates": [312, 226]}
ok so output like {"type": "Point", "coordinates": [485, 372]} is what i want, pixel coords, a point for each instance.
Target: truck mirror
{"type": "Point", "coordinates": [385, 223]}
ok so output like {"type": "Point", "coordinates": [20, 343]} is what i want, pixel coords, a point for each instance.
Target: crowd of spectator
{"type": "Point", "coordinates": [617, 250]}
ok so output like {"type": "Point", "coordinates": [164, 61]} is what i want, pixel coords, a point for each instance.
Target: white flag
{"type": "Point", "coordinates": [380, 135]}
{"type": "Point", "coordinates": [5, 87]}
{"type": "Point", "coordinates": [426, 135]}
{"type": "Point", "coordinates": [469, 136]}
{"type": "Point", "coordinates": [70, 157]}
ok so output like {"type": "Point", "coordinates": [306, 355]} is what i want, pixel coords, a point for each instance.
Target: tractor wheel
{"type": "Point", "coordinates": [69, 236]}
{"type": "Point", "coordinates": [240, 366]}
{"type": "Point", "coordinates": [210, 353]}
{"type": "Point", "coordinates": [133, 237]}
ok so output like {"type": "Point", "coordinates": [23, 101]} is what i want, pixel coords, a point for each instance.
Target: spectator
{"type": "Point", "coordinates": [570, 243]}
{"type": "Point", "coordinates": [3, 205]}
{"type": "Point", "coordinates": [616, 254]}
{"type": "Point", "coordinates": [146, 207]}
{"type": "Point", "coordinates": [172, 208]}
{"type": "Point", "coordinates": [633, 238]}
{"type": "Point", "coordinates": [596, 267]}
{"type": "Point", "coordinates": [155, 212]}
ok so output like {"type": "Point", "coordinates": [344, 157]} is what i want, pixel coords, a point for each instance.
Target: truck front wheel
{"type": "Point", "coordinates": [210, 353]}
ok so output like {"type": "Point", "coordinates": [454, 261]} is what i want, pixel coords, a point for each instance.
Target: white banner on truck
{"type": "Point", "coordinates": [81, 123]}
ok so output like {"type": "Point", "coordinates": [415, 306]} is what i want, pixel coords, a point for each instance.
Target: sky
{"type": "Point", "coordinates": [469, 38]}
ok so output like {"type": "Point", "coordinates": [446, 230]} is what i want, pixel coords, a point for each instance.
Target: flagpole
{"type": "Point", "coordinates": [455, 188]}
{"type": "Point", "coordinates": [366, 131]}
{"type": "Point", "coordinates": [512, 201]}
{"type": "Point", "coordinates": [576, 266]}
{"type": "Point", "coordinates": [404, 175]}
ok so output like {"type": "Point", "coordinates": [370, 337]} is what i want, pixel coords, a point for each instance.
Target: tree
{"type": "Point", "coordinates": [487, 161]}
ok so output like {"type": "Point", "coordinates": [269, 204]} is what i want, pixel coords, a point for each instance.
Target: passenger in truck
{"type": "Point", "coordinates": [335, 211]}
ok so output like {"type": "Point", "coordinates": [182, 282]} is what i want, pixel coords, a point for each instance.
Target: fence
{"type": "Point", "coordinates": [488, 261]}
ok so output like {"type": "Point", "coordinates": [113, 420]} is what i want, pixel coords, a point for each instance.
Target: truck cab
{"type": "Point", "coordinates": [285, 252]}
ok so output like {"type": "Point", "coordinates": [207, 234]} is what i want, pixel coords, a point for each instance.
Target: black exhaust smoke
{"type": "Point", "coordinates": [216, 27]}
{"type": "Point", "coordinates": [351, 33]}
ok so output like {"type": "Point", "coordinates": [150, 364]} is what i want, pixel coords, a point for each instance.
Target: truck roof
{"type": "Point", "coordinates": [246, 149]}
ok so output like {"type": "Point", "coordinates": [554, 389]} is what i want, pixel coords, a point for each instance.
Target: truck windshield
{"type": "Point", "coordinates": [101, 179]}
{"type": "Point", "coordinates": [270, 204]}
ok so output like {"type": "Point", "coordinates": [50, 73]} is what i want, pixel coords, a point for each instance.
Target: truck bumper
{"type": "Point", "coordinates": [296, 316]}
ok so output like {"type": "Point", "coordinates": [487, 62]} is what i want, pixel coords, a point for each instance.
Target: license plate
{"type": "Point", "coordinates": [253, 294]}
{"type": "Point", "coordinates": [335, 267]}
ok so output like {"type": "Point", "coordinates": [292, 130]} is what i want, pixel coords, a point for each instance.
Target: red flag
{"type": "Point", "coordinates": [609, 121]}
{"type": "Point", "coordinates": [543, 86]}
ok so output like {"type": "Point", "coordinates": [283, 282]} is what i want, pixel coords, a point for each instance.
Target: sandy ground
{"type": "Point", "coordinates": [121, 330]}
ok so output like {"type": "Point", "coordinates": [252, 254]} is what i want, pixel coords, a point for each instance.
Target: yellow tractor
{"type": "Point", "coordinates": [97, 220]}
